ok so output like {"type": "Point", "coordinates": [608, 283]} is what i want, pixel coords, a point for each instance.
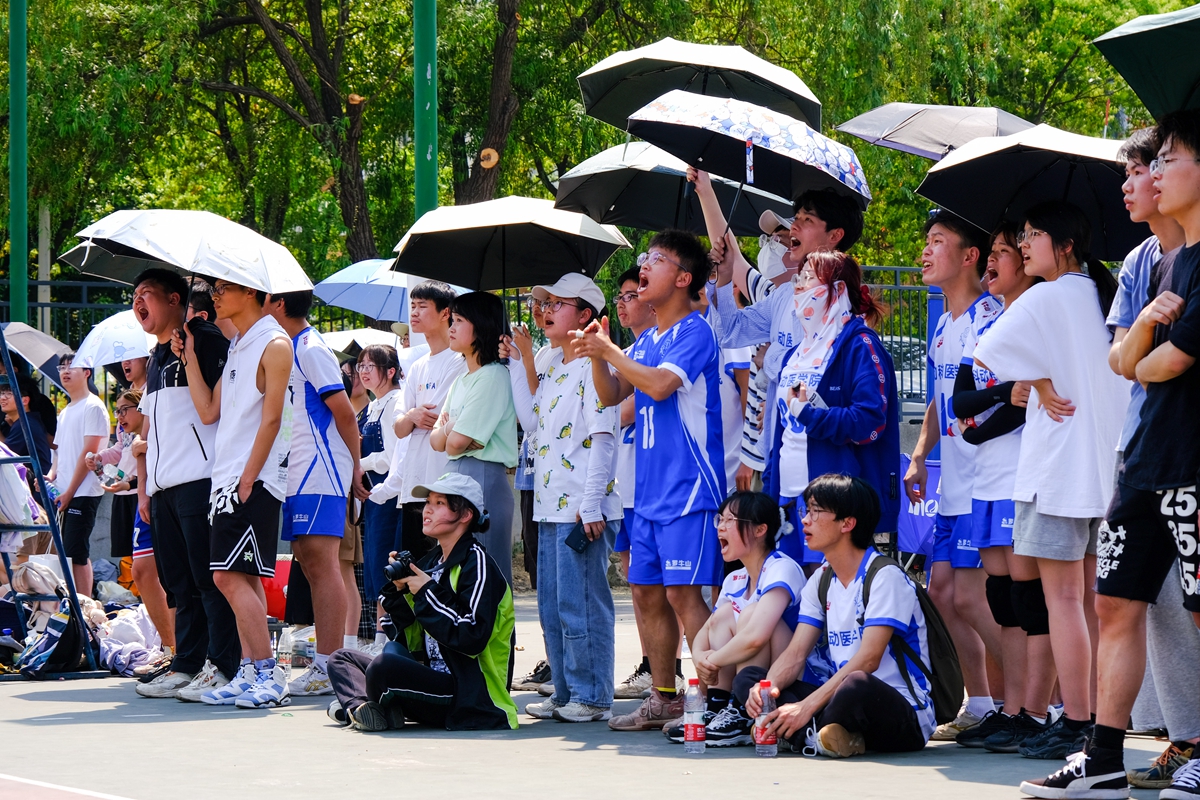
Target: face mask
{"type": "Point", "coordinates": [770, 257]}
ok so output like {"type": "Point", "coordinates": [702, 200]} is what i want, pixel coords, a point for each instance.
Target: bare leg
{"type": "Point", "coordinates": [1063, 582]}
{"type": "Point", "coordinates": [82, 574]}
{"type": "Point", "coordinates": [942, 586]}
{"type": "Point", "coordinates": [319, 556]}
{"type": "Point", "coordinates": [659, 631]}
{"type": "Point", "coordinates": [145, 575]}
{"type": "Point", "coordinates": [353, 601]}
{"type": "Point", "coordinates": [970, 601]}
{"type": "Point", "coordinates": [250, 608]}
{"type": "Point", "coordinates": [721, 629]}
{"type": "Point", "coordinates": [1093, 623]}
{"type": "Point", "coordinates": [1121, 658]}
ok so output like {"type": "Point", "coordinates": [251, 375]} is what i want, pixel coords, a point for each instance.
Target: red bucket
{"type": "Point", "coordinates": [276, 588]}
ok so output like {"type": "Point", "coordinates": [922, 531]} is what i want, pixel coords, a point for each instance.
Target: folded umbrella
{"type": "Point", "coordinates": [996, 178]}
{"type": "Point", "coordinates": [629, 79]}
{"type": "Point", "coordinates": [116, 339]}
{"type": "Point", "coordinates": [930, 131]}
{"type": "Point", "coordinates": [1156, 54]}
{"type": "Point", "coordinates": [497, 244]}
{"type": "Point", "coordinates": [370, 287]}
{"type": "Point", "coordinates": [41, 350]}
{"type": "Point", "coordinates": [641, 186]}
{"type": "Point", "coordinates": [124, 243]}
{"type": "Point", "coordinates": [747, 143]}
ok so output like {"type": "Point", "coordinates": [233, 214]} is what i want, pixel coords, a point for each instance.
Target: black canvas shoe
{"type": "Point", "coordinates": [993, 722]}
{"type": "Point", "coordinates": [1098, 775]}
{"type": "Point", "coordinates": [1185, 783]}
{"type": "Point", "coordinates": [1019, 729]}
{"type": "Point", "coordinates": [1056, 742]}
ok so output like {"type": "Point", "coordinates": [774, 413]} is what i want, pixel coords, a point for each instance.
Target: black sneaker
{"type": "Point", "coordinates": [1185, 783]}
{"type": "Point", "coordinates": [729, 728]}
{"type": "Point", "coordinates": [992, 722]}
{"type": "Point", "coordinates": [676, 731]}
{"type": "Point", "coordinates": [1098, 775]}
{"type": "Point", "coordinates": [1056, 742]}
{"type": "Point", "coordinates": [531, 682]}
{"type": "Point", "coordinates": [1009, 738]}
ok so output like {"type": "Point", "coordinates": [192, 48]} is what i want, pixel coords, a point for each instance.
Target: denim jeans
{"type": "Point", "coordinates": [575, 607]}
{"type": "Point", "coordinates": [381, 535]}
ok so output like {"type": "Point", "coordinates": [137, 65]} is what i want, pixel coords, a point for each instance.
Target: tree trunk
{"type": "Point", "coordinates": [352, 187]}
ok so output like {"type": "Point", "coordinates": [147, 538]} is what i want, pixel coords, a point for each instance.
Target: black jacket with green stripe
{"type": "Point", "coordinates": [469, 612]}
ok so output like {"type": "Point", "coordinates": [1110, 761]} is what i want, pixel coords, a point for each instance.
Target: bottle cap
{"type": "Point", "coordinates": [693, 681]}
{"type": "Point", "coordinates": [6, 632]}
{"type": "Point", "coordinates": [764, 684]}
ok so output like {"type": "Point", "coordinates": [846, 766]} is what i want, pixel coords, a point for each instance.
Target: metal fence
{"type": "Point", "coordinates": [906, 325]}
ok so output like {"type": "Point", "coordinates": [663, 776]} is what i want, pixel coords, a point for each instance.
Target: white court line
{"type": "Point", "coordinates": [44, 785]}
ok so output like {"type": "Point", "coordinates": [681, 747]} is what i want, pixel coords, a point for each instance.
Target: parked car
{"type": "Point", "coordinates": [909, 355]}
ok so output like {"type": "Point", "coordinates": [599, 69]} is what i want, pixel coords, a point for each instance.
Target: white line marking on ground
{"type": "Point", "coordinates": [44, 785]}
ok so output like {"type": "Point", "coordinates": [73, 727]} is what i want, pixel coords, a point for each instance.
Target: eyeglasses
{"type": "Point", "coordinates": [66, 368]}
{"type": "Point", "coordinates": [366, 366]}
{"type": "Point", "coordinates": [1029, 235]}
{"type": "Point", "coordinates": [650, 259]}
{"type": "Point", "coordinates": [123, 410]}
{"type": "Point", "coordinates": [554, 305]}
{"type": "Point", "coordinates": [812, 512]}
{"type": "Point", "coordinates": [219, 291]}
{"type": "Point", "coordinates": [724, 521]}
{"type": "Point", "coordinates": [1159, 165]}
{"type": "Point", "coordinates": [6, 393]}
{"type": "Point", "coordinates": [627, 297]}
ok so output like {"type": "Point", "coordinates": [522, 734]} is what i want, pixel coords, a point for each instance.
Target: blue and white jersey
{"type": "Point", "coordinates": [319, 461]}
{"type": "Point", "coordinates": [680, 455]}
{"type": "Point", "coordinates": [894, 604]}
{"type": "Point", "coordinates": [996, 459]}
{"type": "Point", "coordinates": [778, 572]}
{"type": "Point", "coordinates": [950, 339]}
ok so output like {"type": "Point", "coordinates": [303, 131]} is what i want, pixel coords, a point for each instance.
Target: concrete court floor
{"type": "Point", "coordinates": [96, 738]}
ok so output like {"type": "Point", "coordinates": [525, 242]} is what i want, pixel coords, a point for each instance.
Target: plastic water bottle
{"type": "Point", "coordinates": [112, 474]}
{"type": "Point", "coordinates": [765, 742]}
{"type": "Point", "coordinates": [283, 656]}
{"type": "Point", "coordinates": [693, 718]}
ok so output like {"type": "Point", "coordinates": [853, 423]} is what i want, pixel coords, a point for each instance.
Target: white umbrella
{"type": "Point", "coordinates": [343, 340]}
{"type": "Point", "coordinates": [190, 242]}
{"type": "Point", "coordinates": [116, 339]}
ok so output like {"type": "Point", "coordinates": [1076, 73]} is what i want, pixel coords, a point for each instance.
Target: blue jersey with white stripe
{"type": "Point", "coordinates": [680, 455]}
{"type": "Point", "coordinates": [319, 462]}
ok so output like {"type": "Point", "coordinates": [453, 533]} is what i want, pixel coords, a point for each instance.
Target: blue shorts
{"type": "Point", "coordinates": [992, 523]}
{"type": "Point", "coordinates": [793, 545]}
{"type": "Point", "coordinates": [622, 543]}
{"type": "Point", "coordinates": [683, 552]}
{"type": "Point", "coordinates": [142, 546]}
{"type": "Point", "coordinates": [952, 542]}
{"type": "Point", "coordinates": [313, 515]}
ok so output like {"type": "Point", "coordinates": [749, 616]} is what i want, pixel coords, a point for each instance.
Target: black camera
{"type": "Point", "coordinates": [400, 567]}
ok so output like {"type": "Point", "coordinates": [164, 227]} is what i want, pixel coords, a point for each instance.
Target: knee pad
{"type": "Point", "coordinates": [1000, 600]}
{"type": "Point", "coordinates": [1030, 604]}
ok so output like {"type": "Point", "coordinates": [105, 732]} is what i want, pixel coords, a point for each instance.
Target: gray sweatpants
{"type": "Point", "coordinates": [1168, 697]}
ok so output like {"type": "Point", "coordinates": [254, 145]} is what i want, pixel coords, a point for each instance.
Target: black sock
{"type": "Point", "coordinates": [1108, 738]}
{"type": "Point", "coordinates": [1074, 724]}
{"type": "Point", "coordinates": [678, 668]}
{"type": "Point", "coordinates": [1184, 745]}
{"type": "Point", "coordinates": [717, 698]}
{"type": "Point", "coordinates": [645, 664]}
{"type": "Point", "coordinates": [668, 695]}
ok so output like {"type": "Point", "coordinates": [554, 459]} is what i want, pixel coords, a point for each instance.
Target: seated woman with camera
{"type": "Point", "coordinates": [452, 611]}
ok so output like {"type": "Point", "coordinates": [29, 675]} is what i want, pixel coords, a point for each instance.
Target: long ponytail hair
{"type": "Point", "coordinates": [1067, 225]}
{"type": "Point", "coordinates": [831, 266]}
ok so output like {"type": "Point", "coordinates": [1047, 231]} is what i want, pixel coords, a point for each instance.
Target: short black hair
{"type": "Point", "coordinates": [485, 312]}
{"type": "Point", "coordinates": [691, 255]}
{"type": "Point", "coordinates": [753, 509]}
{"type": "Point", "coordinates": [836, 211]}
{"type": "Point", "coordinates": [165, 279]}
{"type": "Point", "coordinates": [970, 234]}
{"type": "Point", "coordinates": [847, 497]}
{"type": "Point", "coordinates": [1181, 127]}
{"type": "Point", "coordinates": [296, 305]}
{"type": "Point", "coordinates": [1142, 146]}
{"type": "Point", "coordinates": [459, 505]}
{"type": "Point", "coordinates": [631, 274]}
{"type": "Point", "coordinates": [68, 359]}
{"type": "Point", "coordinates": [201, 300]}
{"type": "Point", "coordinates": [440, 293]}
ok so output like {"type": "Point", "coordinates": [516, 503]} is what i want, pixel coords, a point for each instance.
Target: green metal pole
{"type": "Point", "coordinates": [18, 167]}
{"type": "Point", "coordinates": [425, 103]}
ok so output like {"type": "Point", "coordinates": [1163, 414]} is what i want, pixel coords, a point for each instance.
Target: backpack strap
{"type": "Point", "coordinates": [897, 642]}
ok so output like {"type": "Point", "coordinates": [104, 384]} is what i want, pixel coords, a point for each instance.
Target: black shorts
{"type": "Point", "coordinates": [124, 509]}
{"type": "Point", "coordinates": [77, 522]}
{"type": "Point", "coordinates": [1143, 534]}
{"type": "Point", "coordinates": [245, 536]}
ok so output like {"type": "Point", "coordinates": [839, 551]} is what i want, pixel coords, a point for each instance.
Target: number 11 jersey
{"type": "Point", "coordinates": [680, 456]}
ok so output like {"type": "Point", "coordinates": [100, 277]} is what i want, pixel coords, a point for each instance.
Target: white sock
{"type": "Point", "coordinates": [979, 706]}
{"type": "Point", "coordinates": [321, 662]}
{"type": "Point", "coordinates": [350, 641]}
{"type": "Point", "coordinates": [380, 637]}
{"type": "Point", "coordinates": [997, 705]}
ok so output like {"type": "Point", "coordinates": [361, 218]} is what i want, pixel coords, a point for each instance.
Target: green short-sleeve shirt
{"type": "Point", "coordinates": [480, 404]}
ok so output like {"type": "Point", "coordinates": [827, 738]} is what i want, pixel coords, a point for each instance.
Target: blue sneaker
{"type": "Point", "coordinates": [269, 689]}
{"type": "Point", "coordinates": [225, 695]}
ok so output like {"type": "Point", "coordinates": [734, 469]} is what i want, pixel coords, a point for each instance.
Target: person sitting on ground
{"type": "Point", "coordinates": [869, 702]}
{"type": "Point", "coordinates": [755, 614]}
{"type": "Point", "coordinates": [455, 615]}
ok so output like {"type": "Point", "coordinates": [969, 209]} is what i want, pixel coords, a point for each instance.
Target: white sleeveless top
{"type": "Point", "coordinates": [241, 413]}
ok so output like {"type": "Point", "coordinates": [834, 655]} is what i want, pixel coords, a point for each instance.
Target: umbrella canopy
{"type": "Point", "coordinates": [996, 178]}
{"type": "Point", "coordinates": [41, 350]}
{"type": "Point", "coordinates": [190, 242]}
{"type": "Point", "coordinates": [639, 185]}
{"type": "Point", "coordinates": [497, 244]}
{"type": "Point", "coordinates": [1155, 54]}
{"type": "Point", "coordinates": [744, 142]}
{"type": "Point", "coordinates": [118, 338]}
{"type": "Point", "coordinates": [628, 80]}
{"type": "Point", "coordinates": [370, 287]}
{"type": "Point", "coordinates": [930, 131]}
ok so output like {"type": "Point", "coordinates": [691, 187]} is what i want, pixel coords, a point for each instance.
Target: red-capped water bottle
{"type": "Point", "coordinates": [765, 742]}
{"type": "Point", "coordinates": [693, 718]}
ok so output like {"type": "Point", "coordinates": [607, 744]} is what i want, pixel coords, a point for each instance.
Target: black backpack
{"type": "Point", "coordinates": [945, 679]}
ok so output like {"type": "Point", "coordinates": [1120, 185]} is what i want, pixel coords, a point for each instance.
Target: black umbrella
{"type": "Point", "coordinates": [641, 186]}
{"type": "Point", "coordinates": [1157, 56]}
{"type": "Point", "coordinates": [930, 131]}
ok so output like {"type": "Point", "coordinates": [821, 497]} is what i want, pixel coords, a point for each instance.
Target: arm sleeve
{"type": "Point", "coordinates": [95, 421]}
{"type": "Point", "coordinates": [599, 472]}
{"type": "Point", "coordinates": [109, 455]}
{"type": "Point", "coordinates": [523, 401]}
{"type": "Point", "coordinates": [741, 327]}
{"type": "Point", "coordinates": [969, 401]}
{"type": "Point", "coordinates": [393, 484]}
{"type": "Point", "coordinates": [694, 348]}
{"type": "Point", "coordinates": [484, 405]}
{"type": "Point", "coordinates": [463, 620]}
{"type": "Point", "coordinates": [380, 461]}
{"type": "Point", "coordinates": [1004, 420]}
{"type": "Point", "coordinates": [867, 412]}
{"type": "Point", "coordinates": [1125, 307]}
{"type": "Point", "coordinates": [811, 611]}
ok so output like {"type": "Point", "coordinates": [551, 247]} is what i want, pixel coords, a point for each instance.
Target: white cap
{"type": "Point", "coordinates": [573, 285]}
{"type": "Point", "coordinates": [457, 484]}
{"type": "Point", "coordinates": [770, 222]}
{"type": "Point", "coordinates": [400, 329]}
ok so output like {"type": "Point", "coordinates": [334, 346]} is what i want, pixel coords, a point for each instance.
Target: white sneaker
{"type": "Point", "coordinates": [544, 709]}
{"type": "Point", "coordinates": [165, 685]}
{"type": "Point", "coordinates": [337, 713]}
{"type": "Point", "coordinates": [372, 649]}
{"type": "Point", "coordinates": [313, 681]}
{"type": "Point", "coordinates": [208, 678]}
{"type": "Point", "coordinates": [636, 686]}
{"type": "Point", "coordinates": [580, 712]}
{"type": "Point", "coordinates": [225, 694]}
{"type": "Point", "coordinates": [269, 689]}
{"type": "Point", "coordinates": [949, 731]}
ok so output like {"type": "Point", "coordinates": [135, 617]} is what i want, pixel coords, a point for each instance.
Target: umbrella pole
{"type": "Point", "coordinates": [732, 211]}
{"type": "Point", "coordinates": [187, 303]}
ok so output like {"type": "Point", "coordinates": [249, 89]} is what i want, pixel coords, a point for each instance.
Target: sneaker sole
{"type": "Point", "coordinates": [197, 699]}
{"type": "Point", "coordinates": [168, 695]}
{"type": "Point", "coordinates": [631, 695]}
{"type": "Point", "coordinates": [369, 718]}
{"type": "Point", "coordinates": [286, 700]}
{"type": "Point", "coordinates": [1174, 794]}
{"type": "Point", "coordinates": [1002, 748]}
{"type": "Point", "coordinates": [648, 725]}
{"type": "Point", "coordinates": [545, 690]}
{"type": "Point", "coordinates": [602, 717]}
{"type": "Point", "coordinates": [732, 741]}
{"type": "Point", "coordinates": [326, 690]}
{"type": "Point", "coordinates": [1144, 783]}
{"type": "Point", "coordinates": [1068, 793]}
{"type": "Point", "coordinates": [527, 686]}
{"type": "Point", "coordinates": [224, 701]}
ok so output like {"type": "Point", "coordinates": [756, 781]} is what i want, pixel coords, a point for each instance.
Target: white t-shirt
{"type": "Point", "coordinates": [951, 339]}
{"type": "Point", "coordinates": [86, 417]}
{"type": "Point", "coordinates": [428, 382]}
{"type": "Point", "coordinates": [319, 463]}
{"type": "Point", "coordinates": [893, 602]}
{"type": "Point", "coordinates": [995, 459]}
{"type": "Point", "coordinates": [1055, 330]}
{"type": "Point", "coordinates": [778, 572]}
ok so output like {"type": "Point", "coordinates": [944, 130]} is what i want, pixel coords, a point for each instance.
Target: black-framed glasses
{"type": "Point", "coordinates": [123, 410]}
{"type": "Point", "coordinates": [626, 297]}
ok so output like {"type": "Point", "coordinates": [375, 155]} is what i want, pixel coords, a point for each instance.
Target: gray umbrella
{"type": "Point", "coordinates": [628, 80]}
{"type": "Point", "coordinates": [641, 186]}
{"type": "Point", "coordinates": [41, 350]}
{"type": "Point", "coordinates": [930, 131]}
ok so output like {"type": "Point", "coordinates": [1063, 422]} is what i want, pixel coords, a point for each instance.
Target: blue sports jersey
{"type": "Point", "coordinates": [319, 463]}
{"type": "Point", "coordinates": [680, 456]}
